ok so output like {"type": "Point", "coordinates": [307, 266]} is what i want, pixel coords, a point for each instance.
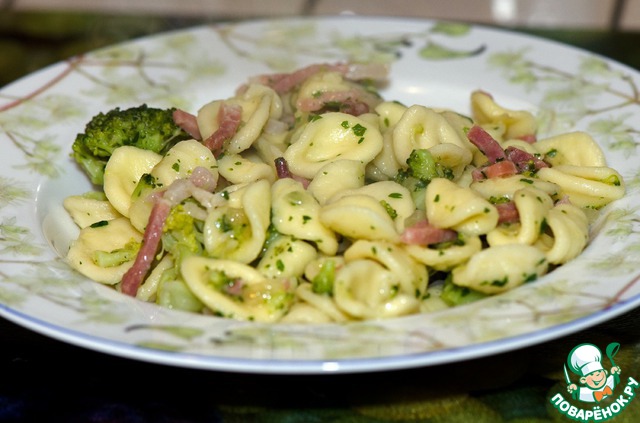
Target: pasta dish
{"type": "Point", "coordinates": [307, 198]}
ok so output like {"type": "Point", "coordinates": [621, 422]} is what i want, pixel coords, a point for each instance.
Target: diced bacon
{"type": "Point", "coordinates": [496, 170]}
{"type": "Point", "coordinates": [188, 123]}
{"type": "Point", "coordinates": [202, 178]}
{"type": "Point", "coordinates": [362, 71]}
{"type": "Point", "coordinates": [486, 144]}
{"type": "Point", "coordinates": [508, 212]}
{"type": "Point", "coordinates": [282, 170]}
{"type": "Point", "coordinates": [529, 138]}
{"type": "Point", "coordinates": [134, 277]}
{"type": "Point", "coordinates": [285, 82]}
{"type": "Point", "coordinates": [229, 118]}
{"type": "Point", "coordinates": [235, 288]}
{"type": "Point", "coordinates": [524, 161]}
{"type": "Point", "coordinates": [348, 101]}
{"type": "Point", "coordinates": [424, 233]}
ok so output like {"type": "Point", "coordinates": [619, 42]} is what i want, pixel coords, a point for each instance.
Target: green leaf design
{"type": "Point", "coordinates": [452, 29]}
{"type": "Point", "coordinates": [435, 51]}
{"type": "Point", "coordinates": [11, 192]}
{"type": "Point", "coordinates": [183, 332]}
{"type": "Point", "coordinates": [15, 239]}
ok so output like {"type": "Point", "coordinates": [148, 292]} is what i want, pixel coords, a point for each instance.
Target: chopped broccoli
{"type": "Point", "coordinates": [422, 165]}
{"type": "Point", "coordinates": [142, 126]}
{"type": "Point", "coordinates": [116, 257]}
{"type": "Point", "coordinates": [422, 168]}
{"type": "Point", "coordinates": [182, 235]}
{"type": "Point", "coordinates": [322, 283]}
{"type": "Point", "coordinates": [455, 295]}
{"type": "Point", "coordinates": [174, 293]}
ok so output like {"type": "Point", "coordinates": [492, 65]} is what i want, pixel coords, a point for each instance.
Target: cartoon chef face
{"type": "Point", "coordinates": [585, 360]}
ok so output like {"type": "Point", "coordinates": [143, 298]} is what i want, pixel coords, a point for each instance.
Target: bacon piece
{"type": "Point", "coordinates": [496, 170]}
{"type": "Point", "coordinates": [529, 138]}
{"type": "Point", "coordinates": [348, 102]}
{"type": "Point", "coordinates": [424, 233]}
{"type": "Point", "coordinates": [524, 161]}
{"type": "Point", "coordinates": [282, 170]}
{"type": "Point", "coordinates": [150, 242]}
{"type": "Point", "coordinates": [229, 117]}
{"type": "Point", "coordinates": [201, 177]}
{"type": "Point", "coordinates": [188, 123]}
{"type": "Point", "coordinates": [285, 82]}
{"type": "Point", "coordinates": [508, 212]}
{"type": "Point", "coordinates": [486, 144]}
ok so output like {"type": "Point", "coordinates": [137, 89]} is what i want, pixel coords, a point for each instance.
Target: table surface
{"type": "Point", "coordinates": [45, 380]}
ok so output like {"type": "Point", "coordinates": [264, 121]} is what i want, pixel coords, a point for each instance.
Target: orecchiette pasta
{"type": "Point", "coordinates": [501, 268]}
{"type": "Point", "coordinates": [333, 136]}
{"type": "Point", "coordinates": [452, 207]}
{"type": "Point", "coordinates": [308, 198]}
{"type": "Point", "coordinates": [296, 212]}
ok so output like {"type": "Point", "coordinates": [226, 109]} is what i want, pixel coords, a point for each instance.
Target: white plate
{"type": "Point", "coordinates": [432, 64]}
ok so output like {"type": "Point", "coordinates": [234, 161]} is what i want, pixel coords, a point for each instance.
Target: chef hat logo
{"type": "Point", "coordinates": [585, 359]}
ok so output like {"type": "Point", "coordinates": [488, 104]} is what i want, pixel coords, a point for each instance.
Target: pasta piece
{"type": "Point", "coordinates": [147, 291]}
{"type": "Point", "coordinates": [236, 290]}
{"type": "Point", "coordinates": [88, 209]}
{"type": "Point", "coordinates": [574, 148]}
{"type": "Point", "coordinates": [569, 233]}
{"type": "Point", "coordinates": [411, 276]}
{"type": "Point", "coordinates": [106, 238]}
{"type": "Point", "coordinates": [390, 113]}
{"type": "Point", "coordinates": [314, 267]}
{"type": "Point", "coordinates": [336, 176]}
{"type": "Point", "coordinates": [395, 199]}
{"type": "Point", "coordinates": [450, 207]}
{"type": "Point", "coordinates": [364, 289]}
{"type": "Point", "coordinates": [259, 103]}
{"type": "Point", "coordinates": [328, 89]}
{"type": "Point", "coordinates": [239, 169]}
{"type": "Point", "coordinates": [124, 169]}
{"type": "Point", "coordinates": [445, 258]}
{"type": "Point", "coordinates": [452, 157]}
{"type": "Point", "coordinates": [178, 163]}
{"type": "Point", "coordinates": [533, 206]}
{"type": "Point", "coordinates": [517, 123]}
{"type": "Point", "coordinates": [592, 187]}
{"type": "Point", "coordinates": [359, 217]}
{"type": "Point", "coordinates": [295, 212]}
{"type": "Point", "coordinates": [422, 128]}
{"type": "Point", "coordinates": [333, 136]}
{"type": "Point", "coordinates": [238, 230]}
{"type": "Point", "coordinates": [501, 268]}
{"type": "Point", "coordinates": [306, 313]}
{"type": "Point", "coordinates": [286, 257]}
{"type": "Point", "coordinates": [506, 187]}
{"type": "Point", "coordinates": [384, 165]}
{"type": "Point", "coordinates": [322, 308]}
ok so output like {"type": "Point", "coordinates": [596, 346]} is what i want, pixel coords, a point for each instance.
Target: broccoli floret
{"type": "Point", "coordinates": [182, 235]}
{"type": "Point", "coordinates": [116, 257]}
{"type": "Point", "coordinates": [422, 168]}
{"type": "Point", "coordinates": [422, 165]}
{"type": "Point", "coordinates": [455, 295]}
{"type": "Point", "coordinates": [142, 126]}
{"type": "Point", "coordinates": [322, 283]}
